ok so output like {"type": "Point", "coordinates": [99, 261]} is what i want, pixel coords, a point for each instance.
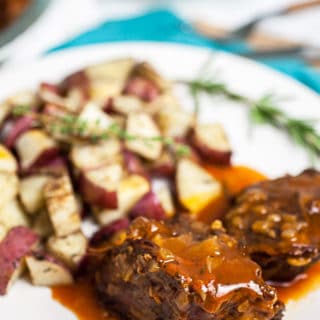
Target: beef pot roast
{"type": "Point", "coordinates": [279, 223]}
{"type": "Point", "coordinates": [183, 270]}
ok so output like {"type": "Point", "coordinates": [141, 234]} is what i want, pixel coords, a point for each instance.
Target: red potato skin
{"type": "Point", "coordinates": [49, 160]}
{"type": "Point", "coordinates": [41, 255]}
{"type": "Point", "coordinates": [88, 264]}
{"type": "Point", "coordinates": [141, 88]}
{"type": "Point", "coordinates": [78, 80]}
{"type": "Point", "coordinates": [108, 231]}
{"type": "Point", "coordinates": [134, 164]}
{"type": "Point", "coordinates": [148, 206]}
{"type": "Point", "coordinates": [16, 245]}
{"type": "Point", "coordinates": [12, 129]}
{"type": "Point", "coordinates": [53, 110]}
{"type": "Point", "coordinates": [210, 155]}
{"type": "Point", "coordinates": [108, 106]}
{"type": "Point", "coordinates": [49, 87]}
{"type": "Point", "coordinates": [54, 166]}
{"type": "Point", "coordinates": [96, 195]}
{"type": "Point", "coordinates": [162, 169]}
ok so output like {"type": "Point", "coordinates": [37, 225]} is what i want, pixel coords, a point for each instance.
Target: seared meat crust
{"type": "Point", "coordinates": [182, 270]}
{"type": "Point", "coordinates": [279, 223]}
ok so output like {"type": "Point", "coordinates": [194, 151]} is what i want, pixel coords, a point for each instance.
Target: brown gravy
{"type": "Point", "coordinates": [80, 297]}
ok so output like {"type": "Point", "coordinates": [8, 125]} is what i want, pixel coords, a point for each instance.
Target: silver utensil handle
{"type": "Point", "coordinates": [301, 6]}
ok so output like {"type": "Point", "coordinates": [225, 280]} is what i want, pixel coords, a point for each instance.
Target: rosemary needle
{"type": "Point", "coordinates": [262, 111]}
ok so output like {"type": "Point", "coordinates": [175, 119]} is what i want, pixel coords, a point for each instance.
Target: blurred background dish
{"type": "Point", "coordinates": [17, 15]}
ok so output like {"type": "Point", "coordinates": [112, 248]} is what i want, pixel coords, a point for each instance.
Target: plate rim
{"type": "Point", "coordinates": [165, 45]}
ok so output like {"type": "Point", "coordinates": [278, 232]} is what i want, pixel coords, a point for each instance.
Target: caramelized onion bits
{"type": "Point", "coordinates": [142, 88]}
{"type": "Point", "coordinates": [106, 232]}
{"type": "Point", "coordinates": [149, 206]}
{"type": "Point", "coordinates": [195, 272]}
{"type": "Point", "coordinates": [275, 222]}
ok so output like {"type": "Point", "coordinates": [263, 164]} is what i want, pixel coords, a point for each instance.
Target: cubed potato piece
{"type": "Point", "coordinates": [23, 98]}
{"type": "Point", "coordinates": [165, 198]}
{"type": "Point", "coordinates": [9, 186]}
{"type": "Point", "coordinates": [101, 90]}
{"type": "Point", "coordinates": [8, 163]}
{"type": "Point", "coordinates": [35, 147]}
{"type": "Point", "coordinates": [142, 126]}
{"type": "Point", "coordinates": [62, 206]}
{"type": "Point", "coordinates": [3, 231]}
{"type": "Point", "coordinates": [147, 72]}
{"type": "Point", "coordinates": [42, 225]}
{"type": "Point", "coordinates": [31, 192]}
{"type": "Point", "coordinates": [211, 141]}
{"type": "Point", "coordinates": [26, 98]}
{"type": "Point", "coordinates": [70, 249]}
{"type": "Point", "coordinates": [164, 166]}
{"type": "Point", "coordinates": [175, 123]}
{"type": "Point", "coordinates": [126, 104]}
{"type": "Point", "coordinates": [5, 109]}
{"type": "Point", "coordinates": [165, 101]}
{"type": "Point", "coordinates": [196, 187]}
{"type": "Point", "coordinates": [97, 121]}
{"type": "Point", "coordinates": [130, 191]}
{"type": "Point", "coordinates": [13, 248]}
{"type": "Point", "coordinates": [99, 186]}
{"type": "Point", "coordinates": [111, 71]}
{"type": "Point", "coordinates": [47, 271]}
{"type": "Point", "coordinates": [12, 215]}
{"type": "Point", "coordinates": [148, 206]}
{"type": "Point", "coordinates": [92, 156]}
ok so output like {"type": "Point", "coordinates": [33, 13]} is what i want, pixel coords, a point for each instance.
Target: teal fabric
{"type": "Point", "coordinates": [165, 26]}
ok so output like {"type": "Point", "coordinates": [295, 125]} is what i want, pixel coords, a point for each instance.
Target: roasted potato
{"type": "Point", "coordinates": [131, 189]}
{"type": "Point", "coordinates": [195, 186]}
{"type": "Point", "coordinates": [31, 192]}
{"type": "Point", "coordinates": [99, 186]}
{"type": "Point", "coordinates": [47, 271]}
{"type": "Point", "coordinates": [69, 249]}
{"type": "Point", "coordinates": [211, 141]}
{"type": "Point", "coordinates": [35, 148]}
{"type": "Point", "coordinates": [142, 126]}
{"type": "Point", "coordinates": [13, 248]}
{"type": "Point", "coordinates": [12, 215]}
{"type": "Point", "coordinates": [62, 206]}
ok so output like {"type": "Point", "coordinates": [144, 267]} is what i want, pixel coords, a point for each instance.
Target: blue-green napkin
{"type": "Point", "coordinates": [165, 26]}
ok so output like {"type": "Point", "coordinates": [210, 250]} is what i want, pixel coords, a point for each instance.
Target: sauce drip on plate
{"type": "Point", "coordinates": [301, 287]}
{"type": "Point", "coordinates": [80, 297]}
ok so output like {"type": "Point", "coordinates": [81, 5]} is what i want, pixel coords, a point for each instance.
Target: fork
{"type": "Point", "coordinates": [244, 30]}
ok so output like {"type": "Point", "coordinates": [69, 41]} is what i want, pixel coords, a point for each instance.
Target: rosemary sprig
{"type": "Point", "coordinates": [262, 111]}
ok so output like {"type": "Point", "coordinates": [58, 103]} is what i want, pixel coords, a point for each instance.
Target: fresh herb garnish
{"type": "Point", "coordinates": [19, 111]}
{"type": "Point", "coordinates": [72, 125]}
{"type": "Point", "coordinates": [262, 111]}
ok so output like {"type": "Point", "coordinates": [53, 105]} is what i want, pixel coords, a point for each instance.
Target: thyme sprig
{"type": "Point", "coordinates": [72, 125]}
{"type": "Point", "coordinates": [262, 111]}
{"type": "Point", "coordinates": [20, 110]}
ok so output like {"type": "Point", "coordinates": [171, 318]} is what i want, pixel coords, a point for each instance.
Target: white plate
{"type": "Point", "coordinates": [262, 148]}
